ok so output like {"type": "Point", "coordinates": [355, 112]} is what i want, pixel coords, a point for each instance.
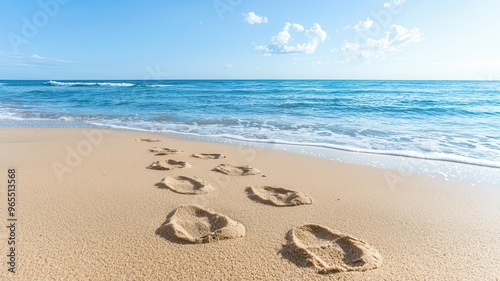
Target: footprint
{"type": "Point", "coordinates": [186, 185]}
{"type": "Point", "coordinates": [164, 151]}
{"type": "Point", "coordinates": [207, 156]}
{"type": "Point", "coordinates": [277, 196]}
{"type": "Point", "coordinates": [169, 165]}
{"type": "Point", "coordinates": [148, 140]}
{"type": "Point", "coordinates": [330, 251]}
{"type": "Point", "coordinates": [193, 224]}
{"type": "Point", "coordinates": [236, 170]}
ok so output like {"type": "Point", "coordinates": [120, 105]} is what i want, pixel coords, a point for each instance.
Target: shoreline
{"type": "Point", "coordinates": [459, 171]}
{"type": "Point", "coordinates": [100, 215]}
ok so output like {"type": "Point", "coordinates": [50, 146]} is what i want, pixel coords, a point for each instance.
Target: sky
{"type": "Point", "coordinates": [243, 39]}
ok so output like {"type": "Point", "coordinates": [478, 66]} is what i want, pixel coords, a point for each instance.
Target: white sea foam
{"type": "Point", "coordinates": [66, 118]}
{"type": "Point", "coordinates": [9, 116]}
{"type": "Point", "coordinates": [157, 85]}
{"type": "Point", "coordinates": [220, 133]}
{"type": "Point", "coordinates": [217, 132]}
{"type": "Point", "coordinates": [401, 153]}
{"type": "Point", "coordinates": [103, 84]}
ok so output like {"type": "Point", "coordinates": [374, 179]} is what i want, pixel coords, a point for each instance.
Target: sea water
{"type": "Point", "coordinates": [448, 129]}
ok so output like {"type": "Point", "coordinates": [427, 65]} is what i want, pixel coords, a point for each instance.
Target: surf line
{"type": "Point", "coordinates": [486, 164]}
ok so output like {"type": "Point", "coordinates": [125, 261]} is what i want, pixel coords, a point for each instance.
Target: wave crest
{"type": "Point", "coordinates": [101, 84]}
{"type": "Point", "coordinates": [87, 84]}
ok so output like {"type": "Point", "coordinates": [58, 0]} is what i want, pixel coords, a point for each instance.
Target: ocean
{"type": "Point", "coordinates": [448, 129]}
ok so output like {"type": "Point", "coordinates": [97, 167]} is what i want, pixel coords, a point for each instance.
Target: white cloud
{"type": "Point", "coordinates": [395, 3]}
{"type": "Point", "coordinates": [10, 59]}
{"type": "Point", "coordinates": [283, 43]}
{"type": "Point", "coordinates": [298, 27]}
{"type": "Point", "coordinates": [37, 57]}
{"type": "Point", "coordinates": [361, 25]}
{"type": "Point", "coordinates": [394, 40]}
{"type": "Point", "coordinates": [252, 18]}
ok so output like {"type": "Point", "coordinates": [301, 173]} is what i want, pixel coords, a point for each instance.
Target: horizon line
{"type": "Point", "coordinates": [251, 79]}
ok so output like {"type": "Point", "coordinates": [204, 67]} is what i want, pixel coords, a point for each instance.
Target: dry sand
{"type": "Point", "coordinates": [89, 209]}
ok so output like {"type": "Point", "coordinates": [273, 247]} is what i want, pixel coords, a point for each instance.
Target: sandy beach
{"type": "Point", "coordinates": [99, 205]}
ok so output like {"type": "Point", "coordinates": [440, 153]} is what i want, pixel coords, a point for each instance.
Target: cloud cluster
{"type": "Point", "coordinates": [376, 39]}
{"type": "Point", "coordinates": [395, 3]}
{"type": "Point", "coordinates": [361, 25]}
{"type": "Point", "coordinates": [394, 40]}
{"type": "Point", "coordinates": [283, 42]}
{"type": "Point", "coordinates": [252, 18]}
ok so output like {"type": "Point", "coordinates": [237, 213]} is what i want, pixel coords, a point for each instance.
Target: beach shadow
{"type": "Point", "coordinates": [167, 165]}
{"type": "Point", "coordinates": [167, 233]}
{"type": "Point", "coordinates": [254, 197]}
{"type": "Point", "coordinates": [291, 254]}
{"type": "Point", "coordinates": [353, 255]}
{"type": "Point", "coordinates": [208, 156]}
{"type": "Point", "coordinates": [159, 151]}
{"type": "Point", "coordinates": [160, 185]}
{"type": "Point", "coordinates": [147, 140]}
{"type": "Point", "coordinates": [232, 170]}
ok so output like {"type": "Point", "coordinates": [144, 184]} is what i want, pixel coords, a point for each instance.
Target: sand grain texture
{"type": "Point", "coordinates": [97, 218]}
{"type": "Point", "coordinates": [332, 252]}
{"type": "Point", "coordinates": [194, 224]}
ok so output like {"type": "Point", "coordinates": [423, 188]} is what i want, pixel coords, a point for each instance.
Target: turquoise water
{"type": "Point", "coordinates": [452, 121]}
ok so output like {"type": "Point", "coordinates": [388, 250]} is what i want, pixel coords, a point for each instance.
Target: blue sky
{"type": "Point", "coordinates": [333, 39]}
